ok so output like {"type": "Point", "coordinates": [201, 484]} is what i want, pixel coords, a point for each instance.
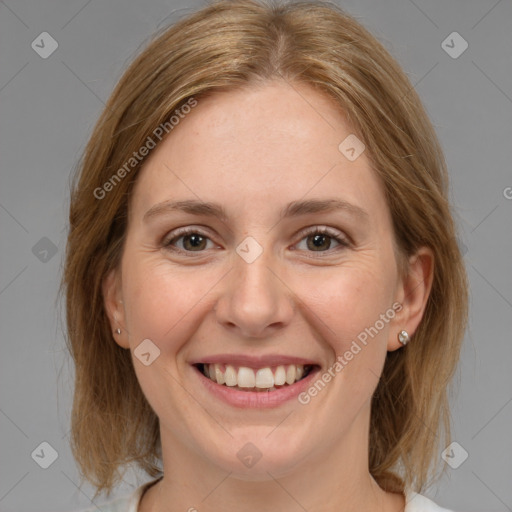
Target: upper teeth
{"type": "Point", "coordinates": [244, 377]}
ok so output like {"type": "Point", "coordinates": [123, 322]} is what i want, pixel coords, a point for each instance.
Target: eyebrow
{"type": "Point", "coordinates": [293, 209]}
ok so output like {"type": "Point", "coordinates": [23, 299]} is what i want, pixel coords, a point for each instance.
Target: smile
{"type": "Point", "coordinates": [268, 385]}
{"type": "Point", "coordinates": [244, 378]}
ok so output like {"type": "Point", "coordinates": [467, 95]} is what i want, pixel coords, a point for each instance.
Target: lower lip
{"type": "Point", "coordinates": [257, 399]}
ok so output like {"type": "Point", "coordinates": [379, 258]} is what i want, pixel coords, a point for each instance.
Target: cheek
{"type": "Point", "coordinates": [161, 305]}
{"type": "Point", "coordinates": [161, 301]}
{"type": "Point", "coordinates": [348, 300]}
{"type": "Point", "coordinates": [166, 303]}
{"type": "Point", "coordinates": [350, 306]}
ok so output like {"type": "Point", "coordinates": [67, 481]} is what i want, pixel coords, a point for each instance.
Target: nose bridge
{"type": "Point", "coordinates": [252, 278]}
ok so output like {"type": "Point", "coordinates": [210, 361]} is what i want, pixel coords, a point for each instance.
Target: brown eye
{"type": "Point", "coordinates": [321, 240]}
{"type": "Point", "coordinates": [192, 241]}
{"type": "Point", "coordinates": [196, 242]}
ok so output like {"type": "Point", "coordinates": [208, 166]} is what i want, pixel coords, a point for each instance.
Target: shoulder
{"type": "Point", "coordinates": [415, 502]}
{"type": "Point", "coordinates": [122, 504]}
{"type": "Point", "coordinates": [127, 503]}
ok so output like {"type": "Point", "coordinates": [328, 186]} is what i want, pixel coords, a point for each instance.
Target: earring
{"type": "Point", "coordinates": [118, 331]}
{"type": "Point", "coordinates": [403, 337]}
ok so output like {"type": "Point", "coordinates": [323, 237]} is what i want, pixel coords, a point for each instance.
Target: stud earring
{"type": "Point", "coordinates": [118, 331]}
{"type": "Point", "coordinates": [403, 337]}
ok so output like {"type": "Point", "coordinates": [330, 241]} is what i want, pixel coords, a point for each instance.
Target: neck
{"type": "Point", "coordinates": [328, 481]}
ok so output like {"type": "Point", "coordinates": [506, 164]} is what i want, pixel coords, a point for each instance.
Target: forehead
{"type": "Point", "coordinates": [262, 145]}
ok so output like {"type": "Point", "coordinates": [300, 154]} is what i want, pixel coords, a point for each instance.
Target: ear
{"type": "Point", "coordinates": [412, 292]}
{"type": "Point", "coordinates": [114, 307]}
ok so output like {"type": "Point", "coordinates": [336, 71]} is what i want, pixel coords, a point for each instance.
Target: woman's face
{"type": "Point", "coordinates": [263, 288]}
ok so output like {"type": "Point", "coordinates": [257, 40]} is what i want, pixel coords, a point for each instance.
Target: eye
{"type": "Point", "coordinates": [193, 241]}
{"type": "Point", "coordinates": [320, 239]}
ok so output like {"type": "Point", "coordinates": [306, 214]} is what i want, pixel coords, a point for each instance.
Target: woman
{"type": "Point", "coordinates": [265, 296]}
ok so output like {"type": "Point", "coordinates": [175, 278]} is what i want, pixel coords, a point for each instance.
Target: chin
{"type": "Point", "coordinates": [258, 457]}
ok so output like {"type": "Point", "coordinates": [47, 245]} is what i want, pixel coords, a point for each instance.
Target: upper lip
{"type": "Point", "coordinates": [262, 361]}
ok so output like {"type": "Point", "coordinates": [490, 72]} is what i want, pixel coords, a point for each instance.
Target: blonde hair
{"type": "Point", "coordinates": [232, 44]}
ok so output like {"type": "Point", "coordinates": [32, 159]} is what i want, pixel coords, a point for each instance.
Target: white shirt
{"type": "Point", "coordinates": [414, 502]}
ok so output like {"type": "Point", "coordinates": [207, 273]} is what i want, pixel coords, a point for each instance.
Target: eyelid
{"type": "Point", "coordinates": [187, 230]}
{"type": "Point", "coordinates": [334, 233]}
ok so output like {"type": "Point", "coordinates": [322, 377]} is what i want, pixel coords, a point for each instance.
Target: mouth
{"type": "Point", "coordinates": [256, 380]}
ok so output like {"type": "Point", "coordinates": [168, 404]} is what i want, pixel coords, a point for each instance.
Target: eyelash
{"type": "Point", "coordinates": [167, 244]}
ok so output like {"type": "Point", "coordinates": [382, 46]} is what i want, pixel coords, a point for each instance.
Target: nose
{"type": "Point", "coordinates": [255, 301]}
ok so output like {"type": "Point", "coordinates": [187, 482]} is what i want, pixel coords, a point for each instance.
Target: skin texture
{"type": "Point", "coordinates": [253, 151]}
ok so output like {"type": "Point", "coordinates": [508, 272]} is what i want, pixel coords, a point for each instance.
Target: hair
{"type": "Point", "coordinates": [225, 46]}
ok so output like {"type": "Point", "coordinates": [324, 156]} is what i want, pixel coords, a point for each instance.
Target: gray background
{"type": "Point", "coordinates": [48, 107]}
